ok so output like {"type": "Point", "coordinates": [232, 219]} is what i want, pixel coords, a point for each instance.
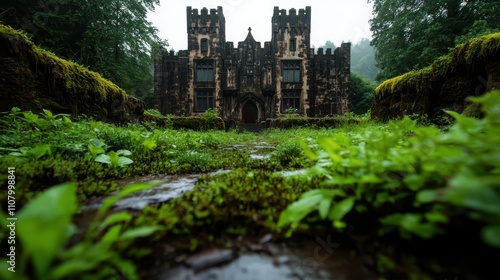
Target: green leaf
{"type": "Point", "coordinates": [307, 150]}
{"type": "Point", "coordinates": [491, 235]}
{"type": "Point", "coordinates": [30, 117]}
{"type": "Point", "coordinates": [331, 148]}
{"type": "Point", "coordinates": [427, 196]}
{"type": "Point", "coordinates": [39, 151]}
{"type": "Point", "coordinates": [44, 222]}
{"type": "Point", "coordinates": [124, 152]}
{"type": "Point", "coordinates": [103, 159]}
{"type": "Point", "coordinates": [111, 235]}
{"type": "Point", "coordinates": [122, 161]}
{"type": "Point", "coordinates": [66, 119]}
{"type": "Point", "coordinates": [436, 217]}
{"type": "Point", "coordinates": [296, 211]}
{"type": "Point", "coordinates": [323, 207]}
{"type": "Point", "coordinates": [115, 218]}
{"type": "Point", "coordinates": [466, 192]}
{"type": "Point", "coordinates": [48, 114]}
{"type": "Point", "coordinates": [339, 210]}
{"type": "Point", "coordinates": [139, 232]}
{"type": "Point", "coordinates": [149, 144]}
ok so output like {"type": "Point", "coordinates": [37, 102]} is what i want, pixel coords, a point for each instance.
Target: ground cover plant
{"type": "Point", "coordinates": [419, 188]}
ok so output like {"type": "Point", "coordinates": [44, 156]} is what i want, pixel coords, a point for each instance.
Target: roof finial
{"type": "Point", "coordinates": [249, 29]}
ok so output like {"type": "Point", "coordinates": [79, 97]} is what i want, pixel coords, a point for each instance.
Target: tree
{"type": "Point", "coordinates": [361, 95]}
{"type": "Point", "coordinates": [111, 37]}
{"type": "Point", "coordinates": [328, 45]}
{"type": "Point", "coordinates": [411, 34]}
{"type": "Point", "coordinates": [363, 59]}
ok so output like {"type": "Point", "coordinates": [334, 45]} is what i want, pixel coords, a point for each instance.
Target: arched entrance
{"type": "Point", "coordinates": [249, 112]}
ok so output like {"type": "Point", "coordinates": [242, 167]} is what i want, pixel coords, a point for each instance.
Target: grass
{"type": "Point", "coordinates": [417, 188]}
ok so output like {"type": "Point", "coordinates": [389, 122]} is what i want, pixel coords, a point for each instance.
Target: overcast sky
{"type": "Point", "coordinates": [335, 20]}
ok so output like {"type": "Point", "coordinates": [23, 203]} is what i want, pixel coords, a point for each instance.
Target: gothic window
{"type": "Point", "coordinates": [293, 45]}
{"type": "Point", "coordinates": [204, 100]}
{"type": "Point", "coordinates": [204, 71]}
{"type": "Point", "coordinates": [290, 99]}
{"type": "Point", "coordinates": [291, 71]}
{"type": "Point", "coordinates": [249, 81]}
{"type": "Point", "coordinates": [249, 70]}
{"type": "Point", "coordinates": [204, 45]}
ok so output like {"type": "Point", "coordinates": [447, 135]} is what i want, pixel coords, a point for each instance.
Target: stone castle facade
{"type": "Point", "coordinates": [251, 83]}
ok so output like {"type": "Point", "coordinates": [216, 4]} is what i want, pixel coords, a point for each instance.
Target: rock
{"type": "Point", "coordinates": [210, 258]}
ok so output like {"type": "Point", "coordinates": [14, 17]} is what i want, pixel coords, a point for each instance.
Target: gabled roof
{"type": "Point", "coordinates": [249, 38]}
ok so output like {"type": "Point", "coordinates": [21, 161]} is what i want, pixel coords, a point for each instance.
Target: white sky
{"type": "Point", "coordinates": [335, 20]}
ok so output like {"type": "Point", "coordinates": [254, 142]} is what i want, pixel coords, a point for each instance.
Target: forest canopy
{"type": "Point", "coordinates": [111, 37]}
{"type": "Point", "coordinates": [411, 34]}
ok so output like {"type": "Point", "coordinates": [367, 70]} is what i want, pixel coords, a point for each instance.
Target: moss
{"type": "Point", "coordinates": [473, 110]}
{"type": "Point", "coordinates": [464, 56]}
{"type": "Point", "coordinates": [39, 79]}
{"type": "Point", "coordinates": [228, 205]}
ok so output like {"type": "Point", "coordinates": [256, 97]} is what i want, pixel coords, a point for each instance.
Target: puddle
{"type": "Point", "coordinates": [173, 187]}
{"type": "Point", "coordinates": [259, 156]}
{"type": "Point", "coordinates": [287, 173]}
{"type": "Point", "coordinates": [306, 259]}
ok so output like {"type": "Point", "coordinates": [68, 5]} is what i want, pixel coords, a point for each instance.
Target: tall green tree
{"type": "Point", "coordinates": [111, 37]}
{"type": "Point", "coordinates": [411, 34]}
{"type": "Point", "coordinates": [362, 92]}
{"type": "Point", "coordinates": [328, 45]}
{"type": "Point", "coordinates": [363, 59]}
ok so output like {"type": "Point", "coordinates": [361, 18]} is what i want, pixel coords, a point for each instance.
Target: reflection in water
{"type": "Point", "coordinates": [174, 187]}
{"type": "Point", "coordinates": [305, 259]}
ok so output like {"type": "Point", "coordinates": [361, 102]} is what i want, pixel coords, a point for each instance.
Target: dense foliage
{"type": "Point", "coordinates": [361, 94]}
{"type": "Point", "coordinates": [393, 185]}
{"type": "Point", "coordinates": [410, 34]}
{"type": "Point", "coordinates": [113, 38]}
{"type": "Point", "coordinates": [362, 58]}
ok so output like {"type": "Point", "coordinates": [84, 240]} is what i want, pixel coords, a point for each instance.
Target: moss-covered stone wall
{"type": "Point", "coordinates": [32, 78]}
{"type": "Point", "coordinates": [471, 69]}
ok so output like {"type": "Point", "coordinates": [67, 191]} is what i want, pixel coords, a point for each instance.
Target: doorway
{"type": "Point", "coordinates": [250, 112]}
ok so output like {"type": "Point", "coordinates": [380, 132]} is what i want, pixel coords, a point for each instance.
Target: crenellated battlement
{"type": "Point", "coordinates": [204, 15]}
{"type": "Point", "coordinates": [303, 13]}
{"type": "Point", "coordinates": [249, 81]}
{"type": "Point", "coordinates": [281, 18]}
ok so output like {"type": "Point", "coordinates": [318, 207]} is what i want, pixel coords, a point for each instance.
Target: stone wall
{"type": "Point", "coordinates": [33, 79]}
{"type": "Point", "coordinates": [471, 69]}
{"type": "Point", "coordinates": [248, 83]}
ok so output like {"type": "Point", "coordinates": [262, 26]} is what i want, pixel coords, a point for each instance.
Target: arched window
{"type": "Point", "coordinates": [204, 100]}
{"type": "Point", "coordinates": [204, 71]}
{"type": "Point", "coordinates": [291, 71]}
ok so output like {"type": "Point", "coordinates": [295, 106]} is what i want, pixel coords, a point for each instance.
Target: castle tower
{"type": "Point", "coordinates": [290, 43]}
{"type": "Point", "coordinates": [247, 82]}
{"type": "Point", "coordinates": [206, 42]}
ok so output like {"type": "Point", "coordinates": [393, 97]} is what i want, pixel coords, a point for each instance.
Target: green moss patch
{"type": "Point", "coordinates": [36, 79]}
{"type": "Point", "coordinates": [464, 56]}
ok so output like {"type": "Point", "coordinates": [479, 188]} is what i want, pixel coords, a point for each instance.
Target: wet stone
{"type": "Point", "coordinates": [209, 258]}
{"type": "Point", "coordinates": [175, 186]}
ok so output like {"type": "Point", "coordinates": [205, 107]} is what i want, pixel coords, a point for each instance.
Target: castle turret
{"type": "Point", "coordinates": [206, 46]}
{"type": "Point", "coordinates": [290, 44]}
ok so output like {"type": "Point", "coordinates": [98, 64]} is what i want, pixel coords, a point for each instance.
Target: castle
{"type": "Point", "coordinates": [250, 83]}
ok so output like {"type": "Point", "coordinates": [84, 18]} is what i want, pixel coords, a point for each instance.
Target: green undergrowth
{"type": "Point", "coordinates": [295, 121]}
{"type": "Point", "coordinates": [411, 192]}
{"type": "Point", "coordinates": [44, 228]}
{"type": "Point", "coordinates": [209, 120]}
{"type": "Point", "coordinates": [48, 149]}
{"type": "Point", "coordinates": [225, 206]}
{"type": "Point", "coordinates": [462, 57]}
